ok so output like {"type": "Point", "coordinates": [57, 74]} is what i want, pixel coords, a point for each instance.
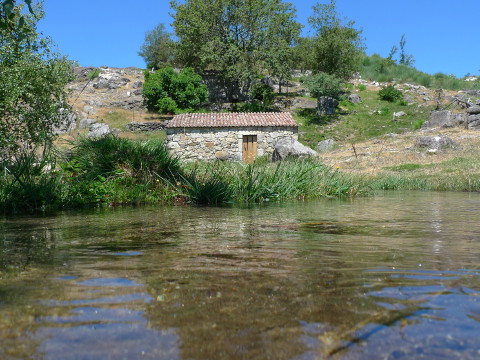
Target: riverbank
{"type": "Point", "coordinates": [116, 171]}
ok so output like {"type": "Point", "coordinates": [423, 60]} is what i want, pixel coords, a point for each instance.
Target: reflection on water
{"type": "Point", "coordinates": [391, 277]}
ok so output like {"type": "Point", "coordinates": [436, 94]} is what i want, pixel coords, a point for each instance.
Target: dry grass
{"type": "Point", "coordinates": [375, 156]}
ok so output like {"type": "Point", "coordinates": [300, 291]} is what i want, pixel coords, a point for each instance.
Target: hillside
{"type": "Point", "coordinates": [368, 137]}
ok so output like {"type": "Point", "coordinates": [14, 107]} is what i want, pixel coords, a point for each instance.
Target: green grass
{"type": "Point", "coordinates": [403, 167]}
{"type": "Point", "coordinates": [354, 123]}
{"type": "Point", "coordinates": [378, 69]}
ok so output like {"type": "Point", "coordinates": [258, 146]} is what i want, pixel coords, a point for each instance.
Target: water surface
{"type": "Point", "coordinates": [396, 276]}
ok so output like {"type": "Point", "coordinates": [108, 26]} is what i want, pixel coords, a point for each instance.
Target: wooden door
{"type": "Point", "coordinates": [249, 148]}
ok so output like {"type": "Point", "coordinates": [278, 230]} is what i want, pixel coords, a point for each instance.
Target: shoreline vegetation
{"type": "Point", "coordinates": [113, 171]}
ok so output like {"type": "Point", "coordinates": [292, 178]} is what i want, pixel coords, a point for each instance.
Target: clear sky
{"type": "Point", "coordinates": [442, 35]}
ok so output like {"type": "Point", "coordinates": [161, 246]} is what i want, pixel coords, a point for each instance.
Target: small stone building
{"type": "Point", "coordinates": [228, 136]}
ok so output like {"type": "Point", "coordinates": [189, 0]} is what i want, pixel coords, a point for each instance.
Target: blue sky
{"type": "Point", "coordinates": [442, 35]}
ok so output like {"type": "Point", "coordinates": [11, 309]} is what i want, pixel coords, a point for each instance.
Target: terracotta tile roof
{"type": "Point", "coordinates": [202, 120]}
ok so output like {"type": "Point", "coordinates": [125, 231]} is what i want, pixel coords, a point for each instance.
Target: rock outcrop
{"type": "Point", "coordinates": [435, 143]}
{"type": "Point", "coordinates": [289, 147]}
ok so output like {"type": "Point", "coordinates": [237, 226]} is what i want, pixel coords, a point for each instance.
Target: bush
{"type": "Point", "coordinates": [389, 93]}
{"type": "Point", "coordinates": [262, 92]}
{"type": "Point", "coordinates": [323, 84]}
{"type": "Point", "coordinates": [361, 87]}
{"type": "Point", "coordinates": [167, 91]}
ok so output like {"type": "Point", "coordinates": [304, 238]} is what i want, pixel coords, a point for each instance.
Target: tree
{"type": "Point", "coordinates": [404, 58]}
{"type": "Point", "coordinates": [323, 84]}
{"type": "Point", "coordinates": [240, 39]}
{"type": "Point", "coordinates": [33, 100]}
{"type": "Point", "coordinates": [158, 50]}
{"type": "Point", "coordinates": [337, 46]}
{"type": "Point", "coordinates": [167, 91]}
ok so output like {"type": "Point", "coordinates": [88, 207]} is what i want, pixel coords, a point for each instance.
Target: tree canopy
{"type": "Point", "coordinates": [33, 100]}
{"type": "Point", "coordinates": [158, 50]}
{"type": "Point", "coordinates": [337, 45]}
{"type": "Point", "coordinates": [241, 39]}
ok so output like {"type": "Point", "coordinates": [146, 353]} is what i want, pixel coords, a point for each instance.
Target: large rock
{"type": "Point", "coordinates": [326, 105]}
{"type": "Point", "coordinates": [98, 130]}
{"type": "Point", "coordinates": [289, 147]}
{"type": "Point", "coordinates": [473, 122]}
{"type": "Point", "coordinates": [326, 145]}
{"type": "Point", "coordinates": [354, 98]}
{"type": "Point", "coordinates": [473, 110]}
{"type": "Point", "coordinates": [67, 124]}
{"type": "Point", "coordinates": [442, 119]}
{"type": "Point", "coordinates": [435, 143]}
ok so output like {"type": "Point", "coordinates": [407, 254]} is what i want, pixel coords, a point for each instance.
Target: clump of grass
{"type": "Point", "coordinates": [404, 167]}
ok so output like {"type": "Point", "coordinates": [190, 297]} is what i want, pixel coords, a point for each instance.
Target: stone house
{"type": "Point", "coordinates": [228, 136]}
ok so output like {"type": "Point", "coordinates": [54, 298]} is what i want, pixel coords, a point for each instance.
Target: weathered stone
{"type": "Point", "coordinates": [326, 105]}
{"type": "Point", "coordinates": [98, 130]}
{"type": "Point", "coordinates": [442, 118]}
{"type": "Point", "coordinates": [85, 123]}
{"type": "Point", "coordinates": [222, 155]}
{"type": "Point", "coordinates": [145, 126]}
{"type": "Point", "coordinates": [473, 110]}
{"type": "Point", "coordinates": [67, 124]}
{"type": "Point", "coordinates": [473, 122]}
{"type": "Point", "coordinates": [325, 145]}
{"type": "Point", "coordinates": [289, 147]}
{"type": "Point", "coordinates": [399, 114]}
{"type": "Point", "coordinates": [355, 98]}
{"type": "Point", "coordinates": [89, 109]}
{"type": "Point", "coordinates": [439, 142]}
{"type": "Point", "coordinates": [137, 84]}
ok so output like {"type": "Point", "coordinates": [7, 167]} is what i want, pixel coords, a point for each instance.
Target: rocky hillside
{"type": "Point", "coordinates": [112, 101]}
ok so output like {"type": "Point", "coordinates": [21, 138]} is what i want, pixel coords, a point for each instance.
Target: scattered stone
{"type": "Point", "coordinates": [145, 126]}
{"type": "Point", "coordinates": [326, 105]}
{"type": "Point", "coordinates": [98, 130]}
{"type": "Point", "coordinates": [326, 145]}
{"type": "Point", "coordinates": [399, 114]}
{"type": "Point", "coordinates": [222, 155]}
{"type": "Point", "coordinates": [288, 146]}
{"type": "Point", "coordinates": [439, 142]}
{"type": "Point", "coordinates": [473, 110]}
{"type": "Point", "coordinates": [137, 84]}
{"type": "Point", "coordinates": [89, 109]}
{"type": "Point", "coordinates": [473, 122]}
{"type": "Point", "coordinates": [355, 98]}
{"type": "Point", "coordinates": [85, 123]}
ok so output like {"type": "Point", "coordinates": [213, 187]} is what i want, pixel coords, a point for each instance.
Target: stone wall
{"type": "Point", "coordinates": [223, 143]}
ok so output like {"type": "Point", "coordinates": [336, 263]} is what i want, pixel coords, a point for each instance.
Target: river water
{"type": "Point", "coordinates": [395, 276]}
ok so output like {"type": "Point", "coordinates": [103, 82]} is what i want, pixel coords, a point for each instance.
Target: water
{"type": "Point", "coordinates": [391, 277]}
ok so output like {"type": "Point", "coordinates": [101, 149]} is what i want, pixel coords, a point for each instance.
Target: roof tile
{"type": "Point", "coordinates": [203, 120]}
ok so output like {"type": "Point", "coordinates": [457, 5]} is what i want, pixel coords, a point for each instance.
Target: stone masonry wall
{"type": "Point", "coordinates": [223, 143]}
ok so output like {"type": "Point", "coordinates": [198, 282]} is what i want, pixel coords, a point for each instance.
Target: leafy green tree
{"type": "Point", "coordinates": [158, 50]}
{"type": "Point", "coordinates": [166, 91]}
{"type": "Point", "coordinates": [240, 39]}
{"type": "Point", "coordinates": [337, 46]}
{"type": "Point", "coordinates": [33, 100]}
{"type": "Point", "coordinates": [323, 84]}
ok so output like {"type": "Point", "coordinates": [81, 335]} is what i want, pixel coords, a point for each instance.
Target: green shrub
{"type": "Point", "coordinates": [262, 92]}
{"type": "Point", "coordinates": [323, 84]}
{"type": "Point", "coordinates": [389, 93]}
{"type": "Point", "coordinates": [167, 91]}
{"type": "Point", "coordinates": [361, 87]}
